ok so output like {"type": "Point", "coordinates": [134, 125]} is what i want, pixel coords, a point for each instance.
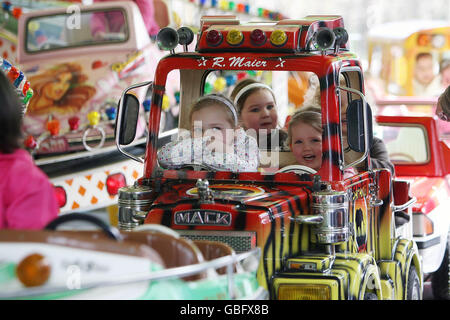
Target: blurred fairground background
{"type": "Point", "coordinates": [360, 16]}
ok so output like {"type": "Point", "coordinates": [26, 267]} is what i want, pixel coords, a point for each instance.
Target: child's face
{"type": "Point", "coordinates": [424, 70]}
{"type": "Point", "coordinates": [212, 121]}
{"type": "Point", "coordinates": [259, 111]}
{"type": "Point", "coordinates": [306, 145]}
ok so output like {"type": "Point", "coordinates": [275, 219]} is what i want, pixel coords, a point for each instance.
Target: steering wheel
{"type": "Point", "coordinates": [401, 155]}
{"type": "Point", "coordinates": [110, 231]}
{"type": "Point", "coordinates": [298, 169]}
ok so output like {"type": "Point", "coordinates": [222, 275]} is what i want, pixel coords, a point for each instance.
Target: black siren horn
{"type": "Point", "coordinates": [324, 39]}
{"type": "Point", "coordinates": [185, 37]}
{"type": "Point", "coordinates": [167, 39]}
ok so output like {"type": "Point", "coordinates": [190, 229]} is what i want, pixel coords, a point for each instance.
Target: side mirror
{"type": "Point", "coordinates": [129, 119]}
{"type": "Point", "coordinates": [355, 125]}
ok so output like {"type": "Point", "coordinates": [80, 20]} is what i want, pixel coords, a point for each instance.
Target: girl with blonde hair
{"type": "Point", "coordinates": [214, 139]}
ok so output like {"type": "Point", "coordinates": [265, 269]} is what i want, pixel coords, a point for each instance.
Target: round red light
{"type": "Point", "coordinates": [258, 37]}
{"type": "Point", "coordinates": [214, 38]}
{"type": "Point", "coordinates": [30, 142]}
{"type": "Point", "coordinates": [114, 182]}
{"type": "Point", "coordinates": [61, 197]}
{"type": "Point", "coordinates": [74, 123]}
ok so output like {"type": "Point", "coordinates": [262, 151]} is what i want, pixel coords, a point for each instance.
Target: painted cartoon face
{"type": "Point", "coordinates": [424, 70]}
{"type": "Point", "coordinates": [57, 89]}
{"type": "Point", "coordinates": [307, 145]}
{"type": "Point", "coordinates": [212, 121]}
{"type": "Point", "coordinates": [259, 111]}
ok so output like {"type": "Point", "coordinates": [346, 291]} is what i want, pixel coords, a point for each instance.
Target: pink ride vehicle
{"type": "Point", "coordinates": [77, 75]}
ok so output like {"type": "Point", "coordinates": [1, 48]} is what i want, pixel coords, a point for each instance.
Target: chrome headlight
{"type": "Point", "coordinates": [134, 204]}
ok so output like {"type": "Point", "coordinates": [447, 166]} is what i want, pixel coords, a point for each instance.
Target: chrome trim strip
{"type": "Point", "coordinates": [178, 272]}
{"type": "Point", "coordinates": [405, 205]}
{"type": "Point", "coordinates": [425, 244]}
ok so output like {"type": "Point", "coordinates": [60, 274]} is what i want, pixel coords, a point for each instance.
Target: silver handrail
{"type": "Point", "coordinates": [177, 272]}
{"type": "Point", "coordinates": [366, 125]}
{"type": "Point", "coordinates": [119, 120]}
{"type": "Point", "coordinates": [405, 205]}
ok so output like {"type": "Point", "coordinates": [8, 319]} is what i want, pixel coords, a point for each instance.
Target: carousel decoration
{"type": "Point", "coordinates": [16, 12]}
{"type": "Point", "coordinates": [53, 140]}
{"type": "Point", "coordinates": [240, 7]}
{"type": "Point", "coordinates": [19, 81]}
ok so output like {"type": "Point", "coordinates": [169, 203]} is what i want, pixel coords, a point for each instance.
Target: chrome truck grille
{"type": "Point", "coordinates": [240, 241]}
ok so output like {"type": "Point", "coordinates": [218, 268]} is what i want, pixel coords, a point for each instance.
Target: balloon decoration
{"type": "Point", "coordinates": [7, 7]}
{"type": "Point", "coordinates": [225, 81]}
{"type": "Point", "coordinates": [220, 84]}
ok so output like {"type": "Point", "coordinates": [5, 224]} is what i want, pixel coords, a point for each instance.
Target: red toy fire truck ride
{"type": "Point", "coordinates": [421, 158]}
{"type": "Point", "coordinates": [322, 235]}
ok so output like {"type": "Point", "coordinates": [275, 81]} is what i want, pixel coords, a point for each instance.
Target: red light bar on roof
{"type": "Point", "coordinates": [249, 38]}
{"type": "Point", "coordinates": [226, 33]}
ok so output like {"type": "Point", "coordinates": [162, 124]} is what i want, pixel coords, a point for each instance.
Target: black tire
{"type": "Point", "coordinates": [440, 278]}
{"type": "Point", "coordinates": [413, 285]}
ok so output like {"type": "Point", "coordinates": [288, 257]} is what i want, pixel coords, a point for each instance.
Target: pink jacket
{"type": "Point", "coordinates": [27, 198]}
{"type": "Point", "coordinates": [115, 20]}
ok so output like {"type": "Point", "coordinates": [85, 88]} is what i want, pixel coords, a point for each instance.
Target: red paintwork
{"type": "Point", "coordinates": [429, 181]}
{"type": "Point", "coordinates": [323, 65]}
{"type": "Point", "coordinates": [410, 106]}
{"type": "Point", "coordinates": [438, 166]}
